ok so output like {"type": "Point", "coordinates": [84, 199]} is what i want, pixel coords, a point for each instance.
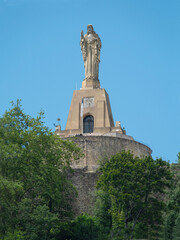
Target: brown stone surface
{"type": "Point", "coordinates": [85, 183]}
{"type": "Point", "coordinates": [90, 83]}
{"type": "Point", "coordinates": [90, 46]}
{"type": "Point", "coordinates": [85, 175]}
{"type": "Point", "coordinates": [100, 110]}
{"type": "Point", "coordinates": [95, 147]}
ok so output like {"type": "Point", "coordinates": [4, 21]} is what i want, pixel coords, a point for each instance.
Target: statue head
{"type": "Point", "coordinates": [90, 29]}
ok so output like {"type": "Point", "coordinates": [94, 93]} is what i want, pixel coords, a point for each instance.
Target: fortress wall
{"type": "Point", "coordinates": [95, 147]}
{"type": "Point", "coordinates": [85, 175]}
{"type": "Point", "coordinates": [85, 183]}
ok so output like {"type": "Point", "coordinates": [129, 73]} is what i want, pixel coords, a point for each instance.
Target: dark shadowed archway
{"type": "Point", "coordinates": [88, 124]}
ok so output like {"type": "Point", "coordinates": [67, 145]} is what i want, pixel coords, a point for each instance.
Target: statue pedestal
{"type": "Point", "coordinates": [90, 83]}
{"type": "Point", "coordinates": [96, 104]}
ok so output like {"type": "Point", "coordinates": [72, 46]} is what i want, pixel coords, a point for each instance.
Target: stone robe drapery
{"type": "Point", "coordinates": [90, 47]}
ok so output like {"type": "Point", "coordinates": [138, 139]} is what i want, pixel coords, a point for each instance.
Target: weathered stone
{"type": "Point", "coordinates": [95, 147]}
{"type": "Point", "coordinates": [85, 183]}
{"type": "Point", "coordinates": [90, 47]}
{"type": "Point", "coordinates": [100, 109]}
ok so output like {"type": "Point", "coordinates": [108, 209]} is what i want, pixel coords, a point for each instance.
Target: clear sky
{"type": "Point", "coordinates": [41, 62]}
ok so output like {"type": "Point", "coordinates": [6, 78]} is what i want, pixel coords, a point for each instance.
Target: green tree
{"type": "Point", "coordinates": [176, 230]}
{"type": "Point", "coordinates": [37, 222]}
{"type": "Point", "coordinates": [101, 213]}
{"type": "Point", "coordinates": [10, 194]}
{"type": "Point", "coordinates": [173, 203]}
{"type": "Point", "coordinates": [178, 157]}
{"type": "Point", "coordinates": [83, 227]}
{"type": "Point", "coordinates": [16, 235]}
{"type": "Point", "coordinates": [134, 185]}
{"type": "Point", "coordinates": [34, 164]}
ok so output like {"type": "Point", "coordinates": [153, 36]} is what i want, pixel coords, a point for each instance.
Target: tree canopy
{"type": "Point", "coordinates": [135, 186]}
{"type": "Point", "coordinates": [34, 164]}
{"type": "Point", "coordinates": [136, 197]}
{"type": "Point", "coordinates": [172, 214]}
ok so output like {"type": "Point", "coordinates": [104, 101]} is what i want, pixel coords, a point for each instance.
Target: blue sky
{"type": "Point", "coordinates": [41, 62]}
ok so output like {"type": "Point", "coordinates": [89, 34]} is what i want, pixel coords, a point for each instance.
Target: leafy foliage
{"type": "Point", "coordinates": [36, 195]}
{"type": "Point", "coordinates": [34, 164]}
{"type": "Point", "coordinates": [173, 205]}
{"type": "Point", "coordinates": [178, 157]}
{"type": "Point", "coordinates": [135, 186]}
{"type": "Point", "coordinates": [83, 227]}
{"type": "Point", "coordinates": [102, 214]}
{"type": "Point", "coordinates": [16, 235]}
{"type": "Point", "coordinates": [176, 229]}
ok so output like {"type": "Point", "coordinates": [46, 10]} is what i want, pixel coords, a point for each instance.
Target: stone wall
{"type": "Point", "coordinates": [85, 183]}
{"type": "Point", "coordinates": [85, 175]}
{"type": "Point", "coordinates": [95, 147]}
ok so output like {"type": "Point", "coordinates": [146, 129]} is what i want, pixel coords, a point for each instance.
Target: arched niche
{"type": "Point", "coordinates": [88, 124]}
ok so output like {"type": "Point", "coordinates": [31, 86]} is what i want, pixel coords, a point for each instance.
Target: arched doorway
{"type": "Point", "coordinates": [88, 124]}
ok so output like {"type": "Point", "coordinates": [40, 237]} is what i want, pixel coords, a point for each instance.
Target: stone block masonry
{"type": "Point", "coordinates": [96, 147]}
{"type": "Point", "coordinates": [85, 173]}
{"type": "Point", "coordinates": [85, 183]}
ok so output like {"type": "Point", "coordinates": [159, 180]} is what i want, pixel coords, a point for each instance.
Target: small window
{"type": "Point", "coordinates": [88, 124]}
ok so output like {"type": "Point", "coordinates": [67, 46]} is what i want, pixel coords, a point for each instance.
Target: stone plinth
{"type": "Point", "coordinates": [96, 104]}
{"type": "Point", "coordinates": [90, 83]}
